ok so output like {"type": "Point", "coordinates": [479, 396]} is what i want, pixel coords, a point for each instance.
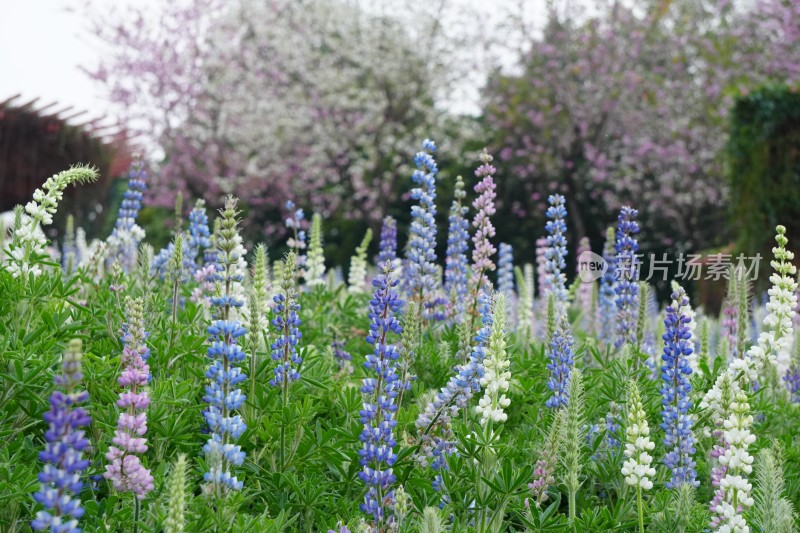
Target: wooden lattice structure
{"type": "Point", "coordinates": [37, 141]}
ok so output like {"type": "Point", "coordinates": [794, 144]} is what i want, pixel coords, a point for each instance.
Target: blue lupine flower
{"type": "Point", "coordinates": [792, 380]}
{"type": "Point", "coordinates": [380, 392]}
{"type": "Point", "coordinates": [286, 323]}
{"type": "Point", "coordinates": [294, 221]}
{"type": "Point", "coordinates": [434, 424]}
{"type": "Point", "coordinates": [199, 234]}
{"type": "Point", "coordinates": [341, 355]}
{"type": "Point", "coordinates": [556, 251]}
{"type": "Point", "coordinates": [126, 235]}
{"type": "Point", "coordinates": [679, 440]}
{"type": "Point", "coordinates": [387, 248]}
{"type": "Point", "coordinates": [612, 427]}
{"type": "Point", "coordinates": [626, 283]}
{"type": "Point", "coordinates": [61, 481]}
{"type": "Point", "coordinates": [562, 361]}
{"type": "Point", "coordinates": [225, 372]}
{"type": "Point", "coordinates": [421, 251]}
{"type": "Point", "coordinates": [455, 272]}
{"type": "Point", "coordinates": [606, 296]}
{"type": "Point", "coordinates": [505, 269]}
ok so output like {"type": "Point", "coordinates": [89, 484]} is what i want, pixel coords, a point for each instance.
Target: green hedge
{"type": "Point", "coordinates": [764, 168]}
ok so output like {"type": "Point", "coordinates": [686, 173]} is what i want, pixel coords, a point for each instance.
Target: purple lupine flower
{"type": "Point", "coordinates": [677, 423]}
{"type": "Point", "coordinates": [380, 393]}
{"type": "Point", "coordinates": [65, 438]}
{"type": "Point", "coordinates": [483, 249]}
{"type": "Point", "coordinates": [124, 240]}
{"type": "Point", "coordinates": [225, 373]}
{"type": "Point", "coordinates": [556, 251]}
{"type": "Point", "coordinates": [387, 248]}
{"type": "Point", "coordinates": [505, 269]}
{"type": "Point", "coordinates": [421, 250]}
{"type": "Point", "coordinates": [626, 284]}
{"type": "Point", "coordinates": [456, 266]}
{"type": "Point", "coordinates": [286, 323]}
{"type": "Point", "coordinates": [434, 424]}
{"type": "Point", "coordinates": [124, 468]}
{"type": "Point", "coordinates": [199, 234]}
{"type": "Point", "coordinates": [792, 380]}
{"type": "Point", "coordinates": [606, 304]}
{"type": "Point", "coordinates": [562, 361]}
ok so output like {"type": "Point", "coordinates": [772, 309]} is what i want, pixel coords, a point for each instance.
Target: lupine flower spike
{"type": "Point", "coordinates": [505, 269]}
{"type": "Point", "coordinates": [483, 249]}
{"type": "Point", "coordinates": [607, 295]}
{"type": "Point", "coordinates": [637, 467]}
{"type": "Point", "coordinates": [123, 243]}
{"type": "Point", "coordinates": [176, 507]}
{"type": "Point", "coordinates": [495, 380]}
{"type": "Point", "coordinates": [61, 478]}
{"type": "Point", "coordinates": [421, 250]}
{"type": "Point", "coordinates": [286, 323]}
{"type": "Point", "coordinates": [225, 372]}
{"type": "Point", "coordinates": [562, 362]}
{"type": "Point", "coordinates": [626, 283]}
{"type": "Point", "coordinates": [27, 248]}
{"type": "Point", "coordinates": [456, 265]}
{"type": "Point", "coordinates": [356, 278]}
{"type": "Point", "coordinates": [675, 392]}
{"type": "Point", "coordinates": [545, 468]}
{"type": "Point", "coordinates": [387, 248]}
{"type": "Point", "coordinates": [315, 264]}
{"type": "Point", "coordinates": [556, 252]}
{"type": "Point", "coordinates": [380, 394]}
{"type": "Point", "coordinates": [124, 468]}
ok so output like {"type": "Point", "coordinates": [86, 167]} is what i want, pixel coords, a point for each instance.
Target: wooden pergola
{"type": "Point", "coordinates": [38, 140]}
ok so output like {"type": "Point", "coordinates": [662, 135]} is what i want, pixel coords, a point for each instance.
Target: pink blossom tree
{"type": "Point", "coordinates": [319, 102]}
{"type": "Point", "coordinates": [630, 104]}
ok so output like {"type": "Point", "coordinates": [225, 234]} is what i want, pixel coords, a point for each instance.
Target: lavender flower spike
{"type": "Point", "coordinates": [65, 438]}
{"type": "Point", "coordinates": [125, 469]}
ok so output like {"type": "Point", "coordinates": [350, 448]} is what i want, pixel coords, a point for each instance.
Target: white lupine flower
{"type": "Point", "coordinates": [734, 485]}
{"type": "Point", "coordinates": [496, 376]}
{"type": "Point", "coordinates": [356, 277]}
{"type": "Point", "coordinates": [774, 343]}
{"type": "Point", "coordinates": [28, 241]}
{"type": "Point", "coordinates": [637, 467]}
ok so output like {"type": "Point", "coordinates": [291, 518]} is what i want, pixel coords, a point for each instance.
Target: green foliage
{"type": "Point", "coordinates": [764, 166]}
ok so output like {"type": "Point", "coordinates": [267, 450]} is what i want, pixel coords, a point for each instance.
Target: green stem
{"type": "Point", "coordinates": [641, 508]}
{"type": "Point", "coordinates": [571, 491]}
{"type": "Point", "coordinates": [137, 505]}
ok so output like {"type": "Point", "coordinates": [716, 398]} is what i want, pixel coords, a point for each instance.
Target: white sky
{"type": "Point", "coordinates": [42, 49]}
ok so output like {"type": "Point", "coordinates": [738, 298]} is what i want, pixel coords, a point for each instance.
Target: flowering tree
{"type": "Point", "coordinates": [630, 105]}
{"type": "Point", "coordinates": [316, 101]}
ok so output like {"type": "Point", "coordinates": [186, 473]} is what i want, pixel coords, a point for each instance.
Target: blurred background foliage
{"type": "Point", "coordinates": [685, 109]}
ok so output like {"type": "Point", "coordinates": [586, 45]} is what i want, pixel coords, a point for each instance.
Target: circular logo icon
{"type": "Point", "coordinates": [591, 266]}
